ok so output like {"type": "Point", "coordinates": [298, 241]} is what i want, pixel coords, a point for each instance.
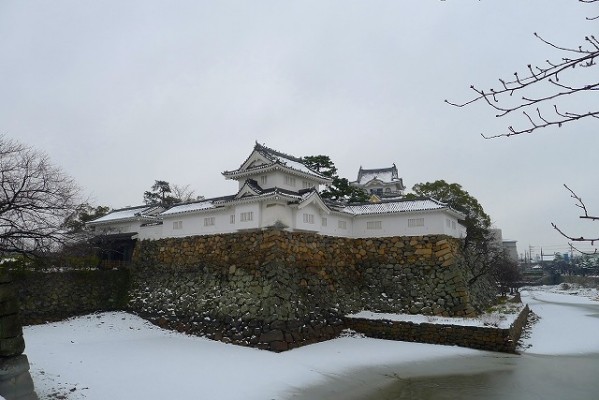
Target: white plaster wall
{"type": "Point", "coordinates": [122, 227]}
{"type": "Point", "coordinates": [397, 225]}
{"type": "Point", "coordinates": [273, 212]}
{"type": "Point", "coordinates": [257, 217]}
{"type": "Point", "coordinates": [277, 179]}
{"type": "Point", "coordinates": [310, 209]}
{"type": "Point", "coordinates": [194, 224]}
{"type": "Point", "coordinates": [453, 228]}
{"type": "Point", "coordinates": [151, 232]}
{"type": "Point", "coordinates": [332, 226]}
{"type": "Point", "coordinates": [390, 226]}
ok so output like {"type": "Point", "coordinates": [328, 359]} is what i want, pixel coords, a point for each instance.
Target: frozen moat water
{"type": "Point", "coordinates": [488, 376]}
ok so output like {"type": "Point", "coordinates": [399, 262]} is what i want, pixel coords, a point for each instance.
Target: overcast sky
{"type": "Point", "coordinates": [121, 93]}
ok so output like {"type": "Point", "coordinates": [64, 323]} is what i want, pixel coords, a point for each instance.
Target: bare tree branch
{"type": "Point", "coordinates": [35, 199]}
{"type": "Point", "coordinates": [587, 253]}
{"type": "Point", "coordinates": [542, 111]}
{"type": "Point", "coordinates": [580, 204]}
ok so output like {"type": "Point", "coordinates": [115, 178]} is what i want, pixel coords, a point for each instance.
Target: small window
{"type": "Point", "coordinates": [263, 179]}
{"type": "Point", "coordinates": [374, 225]}
{"type": "Point", "coordinates": [342, 225]}
{"type": "Point", "coordinates": [308, 218]}
{"type": "Point", "coordinates": [324, 221]}
{"type": "Point", "coordinates": [415, 222]}
{"type": "Point", "coordinates": [307, 185]}
{"type": "Point", "coordinates": [448, 222]}
{"type": "Point", "coordinates": [232, 218]}
{"type": "Point", "coordinates": [289, 180]}
{"type": "Point", "coordinates": [453, 226]}
{"type": "Point", "coordinates": [178, 225]}
{"type": "Point", "coordinates": [247, 216]}
{"type": "Point", "coordinates": [209, 221]}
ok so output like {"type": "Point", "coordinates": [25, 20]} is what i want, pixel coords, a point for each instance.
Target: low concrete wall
{"type": "Point", "coordinates": [475, 337]}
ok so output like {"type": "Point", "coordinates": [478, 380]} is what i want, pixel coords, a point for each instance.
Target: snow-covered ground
{"type": "Point", "coordinates": [120, 356]}
{"type": "Point", "coordinates": [559, 332]}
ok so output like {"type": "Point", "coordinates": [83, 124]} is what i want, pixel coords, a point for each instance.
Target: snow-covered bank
{"type": "Point", "coordinates": [118, 355]}
{"type": "Point", "coordinates": [568, 321]}
{"type": "Point", "coordinates": [503, 318]}
{"type": "Point", "coordinates": [107, 355]}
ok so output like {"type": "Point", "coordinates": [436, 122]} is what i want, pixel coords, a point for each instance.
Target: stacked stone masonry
{"type": "Point", "coordinates": [475, 337]}
{"type": "Point", "coordinates": [53, 296]}
{"type": "Point", "coordinates": [278, 290]}
{"type": "Point", "coordinates": [15, 379]}
{"type": "Point", "coordinates": [269, 289]}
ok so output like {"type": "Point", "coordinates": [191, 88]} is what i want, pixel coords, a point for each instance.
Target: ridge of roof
{"type": "Point", "coordinates": [127, 213]}
{"type": "Point", "coordinates": [267, 152]}
{"type": "Point", "coordinates": [392, 169]}
{"type": "Point", "coordinates": [400, 205]}
{"type": "Point", "coordinates": [189, 205]}
{"type": "Point", "coordinates": [278, 158]}
{"type": "Point", "coordinates": [254, 185]}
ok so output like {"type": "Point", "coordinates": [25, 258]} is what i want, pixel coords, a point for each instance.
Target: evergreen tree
{"type": "Point", "coordinates": [75, 222]}
{"type": "Point", "coordinates": [477, 221]}
{"type": "Point", "coordinates": [482, 253]}
{"type": "Point", "coordinates": [340, 189]}
{"type": "Point", "coordinates": [160, 195]}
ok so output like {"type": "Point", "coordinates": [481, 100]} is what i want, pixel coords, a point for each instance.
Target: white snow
{"type": "Point", "coordinates": [189, 207]}
{"type": "Point", "coordinates": [118, 355]}
{"type": "Point", "coordinates": [395, 206]}
{"type": "Point", "coordinates": [563, 330]}
{"type": "Point", "coordinates": [499, 320]}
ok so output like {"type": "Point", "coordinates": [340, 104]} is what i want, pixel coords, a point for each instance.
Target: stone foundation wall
{"type": "Point", "coordinates": [278, 290]}
{"type": "Point", "coordinates": [52, 296]}
{"type": "Point", "coordinates": [15, 379]}
{"type": "Point", "coordinates": [268, 289]}
{"type": "Point", "coordinates": [476, 337]}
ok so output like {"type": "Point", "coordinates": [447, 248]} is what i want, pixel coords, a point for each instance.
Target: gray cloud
{"type": "Point", "coordinates": [122, 93]}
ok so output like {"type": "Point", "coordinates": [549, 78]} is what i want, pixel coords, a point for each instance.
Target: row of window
{"type": "Point", "coordinates": [210, 221]}
{"type": "Point", "coordinates": [309, 219]}
{"type": "Point", "coordinates": [289, 181]}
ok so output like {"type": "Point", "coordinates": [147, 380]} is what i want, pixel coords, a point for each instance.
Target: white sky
{"type": "Point", "coordinates": [120, 94]}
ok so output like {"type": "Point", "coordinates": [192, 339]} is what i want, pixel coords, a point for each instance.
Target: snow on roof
{"type": "Point", "coordinates": [294, 163]}
{"type": "Point", "coordinates": [285, 159]}
{"type": "Point", "coordinates": [126, 213]}
{"type": "Point", "coordinates": [383, 174]}
{"type": "Point", "coordinates": [395, 206]}
{"type": "Point", "coordinates": [190, 207]}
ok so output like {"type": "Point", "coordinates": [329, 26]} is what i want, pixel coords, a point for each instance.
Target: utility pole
{"type": "Point", "coordinates": [542, 257]}
{"type": "Point", "coordinates": [530, 253]}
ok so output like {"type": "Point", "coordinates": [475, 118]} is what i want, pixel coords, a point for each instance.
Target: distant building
{"type": "Point", "coordinates": [508, 246]}
{"type": "Point", "coordinates": [382, 182]}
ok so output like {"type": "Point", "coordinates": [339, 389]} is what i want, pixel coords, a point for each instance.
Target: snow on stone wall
{"type": "Point", "coordinates": [278, 290]}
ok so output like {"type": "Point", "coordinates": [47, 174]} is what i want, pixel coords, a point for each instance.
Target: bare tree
{"type": "Point", "coordinates": [184, 193]}
{"type": "Point", "coordinates": [556, 80]}
{"type": "Point", "coordinates": [35, 199]}
{"type": "Point", "coordinates": [585, 215]}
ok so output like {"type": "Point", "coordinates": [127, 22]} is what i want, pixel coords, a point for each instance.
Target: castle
{"type": "Point", "coordinates": [279, 190]}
